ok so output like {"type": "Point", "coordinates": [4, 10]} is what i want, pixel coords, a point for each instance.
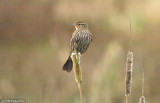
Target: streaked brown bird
{"type": "Point", "coordinates": [80, 41]}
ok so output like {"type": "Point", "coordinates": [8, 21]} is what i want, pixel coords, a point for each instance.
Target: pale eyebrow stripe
{"type": "Point", "coordinates": [81, 23]}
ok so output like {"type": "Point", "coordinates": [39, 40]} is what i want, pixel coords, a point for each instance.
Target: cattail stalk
{"type": "Point", "coordinates": [142, 98]}
{"type": "Point", "coordinates": [129, 68]}
{"type": "Point", "coordinates": [131, 38]}
{"type": "Point", "coordinates": [77, 72]}
{"type": "Point", "coordinates": [127, 97]}
{"type": "Point", "coordinates": [128, 78]}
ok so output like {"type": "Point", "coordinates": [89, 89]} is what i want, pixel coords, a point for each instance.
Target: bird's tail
{"type": "Point", "coordinates": [68, 65]}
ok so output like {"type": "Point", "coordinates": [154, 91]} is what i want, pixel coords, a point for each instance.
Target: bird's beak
{"type": "Point", "coordinates": [74, 24]}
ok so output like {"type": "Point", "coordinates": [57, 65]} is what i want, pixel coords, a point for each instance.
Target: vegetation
{"type": "Point", "coordinates": [34, 44]}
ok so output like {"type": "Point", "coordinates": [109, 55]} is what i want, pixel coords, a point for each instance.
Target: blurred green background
{"type": "Point", "coordinates": [35, 42]}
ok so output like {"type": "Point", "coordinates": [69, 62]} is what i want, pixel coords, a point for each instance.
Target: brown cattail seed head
{"type": "Point", "coordinates": [142, 99]}
{"type": "Point", "coordinates": [76, 66]}
{"type": "Point", "coordinates": [129, 67]}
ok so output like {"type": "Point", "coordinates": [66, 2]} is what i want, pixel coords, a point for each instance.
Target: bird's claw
{"type": "Point", "coordinates": [76, 54]}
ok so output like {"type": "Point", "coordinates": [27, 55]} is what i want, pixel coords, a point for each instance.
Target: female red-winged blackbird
{"type": "Point", "coordinates": [80, 41]}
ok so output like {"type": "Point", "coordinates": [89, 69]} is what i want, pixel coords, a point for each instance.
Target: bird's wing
{"type": "Point", "coordinates": [75, 40]}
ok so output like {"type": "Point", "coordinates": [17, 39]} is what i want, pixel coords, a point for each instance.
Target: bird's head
{"type": "Point", "coordinates": [80, 25]}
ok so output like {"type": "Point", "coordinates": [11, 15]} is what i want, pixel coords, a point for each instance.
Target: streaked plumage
{"type": "Point", "coordinates": [80, 41]}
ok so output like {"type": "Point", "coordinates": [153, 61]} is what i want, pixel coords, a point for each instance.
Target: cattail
{"type": "Point", "coordinates": [142, 99]}
{"type": "Point", "coordinates": [77, 68]}
{"type": "Point", "coordinates": [129, 68]}
{"type": "Point", "coordinates": [77, 72]}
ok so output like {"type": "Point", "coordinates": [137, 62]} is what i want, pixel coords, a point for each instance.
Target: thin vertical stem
{"type": "Point", "coordinates": [80, 92]}
{"type": "Point", "coordinates": [131, 38]}
{"type": "Point", "coordinates": [127, 97]}
{"type": "Point", "coordinates": [141, 63]}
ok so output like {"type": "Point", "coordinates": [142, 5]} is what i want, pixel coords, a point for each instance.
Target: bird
{"type": "Point", "coordinates": [80, 41]}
